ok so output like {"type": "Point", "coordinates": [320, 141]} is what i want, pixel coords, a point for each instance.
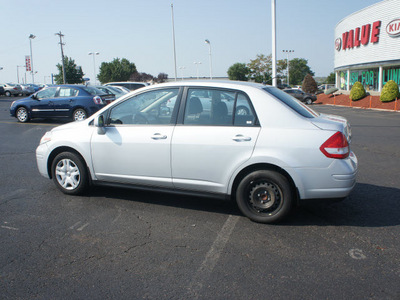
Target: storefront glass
{"type": "Point", "coordinates": [368, 78]}
{"type": "Point", "coordinates": [392, 73]}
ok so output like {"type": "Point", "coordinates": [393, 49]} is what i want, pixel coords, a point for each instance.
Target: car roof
{"type": "Point", "coordinates": [215, 83]}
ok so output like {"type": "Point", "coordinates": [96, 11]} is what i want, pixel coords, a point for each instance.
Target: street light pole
{"type": "Point", "coordinates": [197, 68]}
{"type": "Point", "coordinates": [173, 36]}
{"type": "Point", "coordinates": [209, 45]}
{"type": "Point", "coordinates": [31, 37]}
{"type": "Point", "coordinates": [287, 64]}
{"type": "Point", "coordinates": [94, 65]}
{"type": "Point", "coordinates": [273, 11]}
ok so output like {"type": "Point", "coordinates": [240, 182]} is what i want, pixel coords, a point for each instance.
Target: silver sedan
{"type": "Point", "coordinates": [251, 143]}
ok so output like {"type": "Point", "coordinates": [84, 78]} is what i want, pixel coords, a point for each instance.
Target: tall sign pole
{"type": "Point", "coordinates": [273, 12]}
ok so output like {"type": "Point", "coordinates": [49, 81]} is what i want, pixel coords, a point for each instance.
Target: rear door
{"type": "Point", "coordinates": [65, 100]}
{"type": "Point", "coordinates": [213, 139]}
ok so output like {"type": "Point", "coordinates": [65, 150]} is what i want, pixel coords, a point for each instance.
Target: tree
{"type": "Point", "coordinates": [117, 70]}
{"type": "Point", "coordinates": [238, 71]}
{"type": "Point", "coordinates": [162, 77]}
{"type": "Point", "coordinates": [141, 77]}
{"type": "Point", "coordinates": [331, 79]}
{"type": "Point", "coordinates": [309, 84]}
{"type": "Point", "coordinates": [260, 69]}
{"type": "Point", "coordinates": [298, 69]}
{"type": "Point", "coordinates": [73, 73]}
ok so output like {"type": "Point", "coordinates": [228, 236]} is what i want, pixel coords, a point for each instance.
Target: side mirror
{"type": "Point", "coordinates": [99, 123]}
{"type": "Point", "coordinates": [34, 97]}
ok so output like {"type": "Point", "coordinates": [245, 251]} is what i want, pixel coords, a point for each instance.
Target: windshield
{"type": "Point", "coordinates": [292, 102]}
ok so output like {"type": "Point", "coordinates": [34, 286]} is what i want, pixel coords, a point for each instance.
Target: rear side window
{"type": "Point", "coordinates": [294, 104]}
{"type": "Point", "coordinates": [217, 107]}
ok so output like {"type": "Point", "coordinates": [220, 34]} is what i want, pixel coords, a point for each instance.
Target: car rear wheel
{"type": "Point", "coordinates": [79, 114]}
{"type": "Point", "coordinates": [264, 196]}
{"type": "Point", "coordinates": [69, 173]}
{"type": "Point", "coordinates": [7, 93]}
{"type": "Point", "coordinates": [22, 115]}
{"type": "Point", "coordinates": [308, 101]}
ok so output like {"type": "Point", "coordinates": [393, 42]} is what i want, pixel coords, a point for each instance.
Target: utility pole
{"type": "Point", "coordinates": [62, 56]}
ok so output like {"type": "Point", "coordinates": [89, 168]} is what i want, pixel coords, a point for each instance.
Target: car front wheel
{"type": "Point", "coordinates": [7, 93]}
{"type": "Point", "coordinates": [69, 173]}
{"type": "Point", "coordinates": [79, 114]}
{"type": "Point", "coordinates": [22, 115]}
{"type": "Point", "coordinates": [264, 196]}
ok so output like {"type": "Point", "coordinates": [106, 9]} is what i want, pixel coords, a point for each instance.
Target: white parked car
{"type": "Point", "coordinates": [196, 137]}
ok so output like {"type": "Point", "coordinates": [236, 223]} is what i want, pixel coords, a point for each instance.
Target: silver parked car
{"type": "Point", "coordinates": [244, 141]}
{"type": "Point", "coordinates": [11, 89]}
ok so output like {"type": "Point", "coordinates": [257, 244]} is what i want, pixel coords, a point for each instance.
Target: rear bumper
{"type": "Point", "coordinates": [335, 182]}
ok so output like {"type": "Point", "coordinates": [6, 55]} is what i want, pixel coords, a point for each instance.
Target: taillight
{"type": "Point", "coordinates": [97, 100]}
{"type": "Point", "coordinates": [336, 146]}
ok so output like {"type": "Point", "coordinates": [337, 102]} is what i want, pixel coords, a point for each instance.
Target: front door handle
{"type": "Point", "coordinates": [241, 138]}
{"type": "Point", "coordinates": [158, 136]}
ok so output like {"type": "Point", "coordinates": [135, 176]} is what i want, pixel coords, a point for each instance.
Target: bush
{"type": "Point", "coordinates": [309, 84]}
{"type": "Point", "coordinates": [390, 91]}
{"type": "Point", "coordinates": [357, 91]}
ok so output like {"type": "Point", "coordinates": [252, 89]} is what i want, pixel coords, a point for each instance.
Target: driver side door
{"type": "Point", "coordinates": [136, 145]}
{"type": "Point", "coordinates": [43, 106]}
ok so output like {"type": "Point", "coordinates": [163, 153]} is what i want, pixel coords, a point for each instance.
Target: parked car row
{"type": "Point", "coordinates": [11, 89]}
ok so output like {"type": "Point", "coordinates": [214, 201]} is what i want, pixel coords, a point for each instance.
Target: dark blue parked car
{"type": "Point", "coordinates": [71, 101]}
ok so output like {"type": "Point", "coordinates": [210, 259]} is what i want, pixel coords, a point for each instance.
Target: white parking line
{"type": "Point", "coordinates": [212, 257]}
{"type": "Point", "coordinates": [8, 227]}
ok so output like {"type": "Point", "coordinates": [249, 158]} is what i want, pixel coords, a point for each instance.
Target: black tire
{"type": "Point", "coordinates": [69, 173]}
{"type": "Point", "coordinates": [265, 196]}
{"type": "Point", "coordinates": [79, 114]}
{"type": "Point", "coordinates": [22, 115]}
{"type": "Point", "coordinates": [7, 93]}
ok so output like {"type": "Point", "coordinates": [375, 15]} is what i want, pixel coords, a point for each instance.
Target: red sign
{"type": "Point", "coordinates": [393, 28]}
{"type": "Point", "coordinates": [28, 63]}
{"type": "Point", "coordinates": [361, 36]}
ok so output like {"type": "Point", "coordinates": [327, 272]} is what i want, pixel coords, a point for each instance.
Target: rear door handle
{"type": "Point", "coordinates": [241, 138]}
{"type": "Point", "coordinates": [158, 136]}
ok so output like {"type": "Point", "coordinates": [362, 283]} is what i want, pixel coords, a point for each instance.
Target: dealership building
{"type": "Point", "coordinates": [367, 47]}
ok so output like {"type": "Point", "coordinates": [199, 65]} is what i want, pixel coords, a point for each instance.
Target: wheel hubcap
{"type": "Point", "coordinates": [68, 175]}
{"type": "Point", "coordinates": [21, 115]}
{"type": "Point", "coordinates": [80, 115]}
{"type": "Point", "coordinates": [265, 197]}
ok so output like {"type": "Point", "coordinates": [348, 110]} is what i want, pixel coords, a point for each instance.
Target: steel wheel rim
{"type": "Point", "coordinates": [264, 197]}
{"type": "Point", "coordinates": [22, 114]}
{"type": "Point", "coordinates": [68, 174]}
{"type": "Point", "coordinates": [79, 115]}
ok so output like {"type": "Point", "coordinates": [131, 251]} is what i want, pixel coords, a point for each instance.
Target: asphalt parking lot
{"type": "Point", "coordinates": [125, 244]}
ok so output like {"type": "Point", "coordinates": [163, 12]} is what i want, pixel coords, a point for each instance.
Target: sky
{"type": "Point", "coordinates": [141, 31]}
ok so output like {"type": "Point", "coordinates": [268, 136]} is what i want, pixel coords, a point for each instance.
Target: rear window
{"type": "Point", "coordinates": [93, 91]}
{"type": "Point", "coordinates": [293, 103]}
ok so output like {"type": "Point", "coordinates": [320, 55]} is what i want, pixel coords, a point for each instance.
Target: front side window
{"type": "Point", "coordinates": [47, 93]}
{"type": "Point", "coordinates": [153, 107]}
{"type": "Point", "coordinates": [218, 108]}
